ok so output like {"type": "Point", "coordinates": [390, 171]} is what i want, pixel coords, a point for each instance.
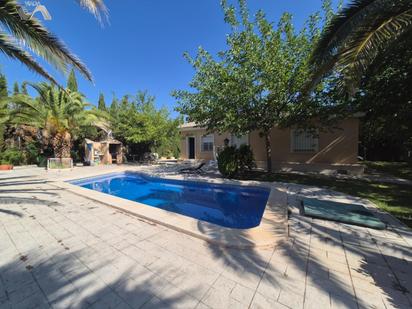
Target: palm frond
{"type": "Point", "coordinates": [97, 8]}
{"type": "Point", "coordinates": [340, 28]}
{"type": "Point", "coordinates": [14, 51]}
{"type": "Point", "coordinates": [357, 35]}
{"type": "Point", "coordinates": [39, 39]}
{"type": "Point", "coordinates": [369, 40]}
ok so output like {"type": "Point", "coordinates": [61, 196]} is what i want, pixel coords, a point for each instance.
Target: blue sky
{"type": "Point", "coordinates": [142, 47]}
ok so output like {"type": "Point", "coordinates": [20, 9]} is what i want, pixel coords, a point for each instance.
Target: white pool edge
{"type": "Point", "coordinates": [271, 231]}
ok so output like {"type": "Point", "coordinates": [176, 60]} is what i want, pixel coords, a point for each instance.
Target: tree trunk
{"type": "Point", "coordinates": [62, 145]}
{"type": "Point", "coordinates": [268, 152]}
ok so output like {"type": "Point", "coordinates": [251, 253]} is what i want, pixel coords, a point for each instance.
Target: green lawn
{"type": "Point", "coordinates": [393, 198]}
{"type": "Point", "coordinates": [397, 169]}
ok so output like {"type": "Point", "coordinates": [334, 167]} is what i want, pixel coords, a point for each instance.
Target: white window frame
{"type": "Point", "coordinates": [212, 137]}
{"type": "Point", "coordinates": [315, 146]}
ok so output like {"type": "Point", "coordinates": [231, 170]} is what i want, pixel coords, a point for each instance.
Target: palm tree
{"type": "Point", "coordinates": [59, 114]}
{"type": "Point", "coordinates": [357, 35]}
{"type": "Point", "coordinates": [16, 33]}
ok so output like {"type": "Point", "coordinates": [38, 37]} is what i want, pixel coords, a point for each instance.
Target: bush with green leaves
{"type": "Point", "coordinates": [245, 157]}
{"type": "Point", "coordinates": [227, 162]}
{"type": "Point", "coordinates": [32, 153]}
{"type": "Point", "coordinates": [232, 160]}
{"type": "Point", "coordinates": [12, 156]}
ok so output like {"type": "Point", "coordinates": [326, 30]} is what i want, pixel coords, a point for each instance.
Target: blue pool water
{"type": "Point", "coordinates": [226, 205]}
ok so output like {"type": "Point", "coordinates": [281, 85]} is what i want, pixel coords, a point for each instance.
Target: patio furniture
{"type": "Point", "coordinates": [193, 170]}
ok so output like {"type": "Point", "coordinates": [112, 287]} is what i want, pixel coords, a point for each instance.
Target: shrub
{"type": "Point", "coordinates": [227, 162]}
{"type": "Point", "coordinates": [232, 160]}
{"type": "Point", "coordinates": [245, 157]}
{"type": "Point", "coordinates": [12, 156]}
{"type": "Point", "coordinates": [32, 153]}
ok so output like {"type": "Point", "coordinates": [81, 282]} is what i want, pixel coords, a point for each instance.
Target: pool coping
{"type": "Point", "coordinates": [271, 231]}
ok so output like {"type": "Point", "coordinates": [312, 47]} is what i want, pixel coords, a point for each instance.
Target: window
{"type": "Point", "coordinates": [207, 142]}
{"type": "Point", "coordinates": [304, 141]}
{"type": "Point", "coordinates": [239, 140]}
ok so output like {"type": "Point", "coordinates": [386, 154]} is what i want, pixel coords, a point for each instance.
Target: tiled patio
{"type": "Point", "coordinates": [61, 250]}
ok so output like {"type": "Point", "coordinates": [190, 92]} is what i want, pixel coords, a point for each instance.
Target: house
{"type": "Point", "coordinates": [292, 149]}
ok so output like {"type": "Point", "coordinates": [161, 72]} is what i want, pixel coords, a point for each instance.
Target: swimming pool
{"type": "Point", "coordinates": [226, 205]}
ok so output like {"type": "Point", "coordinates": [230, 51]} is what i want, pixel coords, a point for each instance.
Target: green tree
{"type": "Point", "coordinates": [24, 88]}
{"type": "Point", "coordinates": [255, 83]}
{"type": "Point", "coordinates": [16, 89]}
{"type": "Point", "coordinates": [137, 121]}
{"type": "Point", "coordinates": [101, 104]}
{"type": "Point", "coordinates": [3, 86]}
{"type": "Point", "coordinates": [38, 39]}
{"type": "Point", "coordinates": [357, 35]}
{"type": "Point", "coordinates": [58, 114]}
{"type": "Point", "coordinates": [3, 107]}
{"type": "Point", "coordinates": [114, 107]}
{"type": "Point", "coordinates": [72, 82]}
{"type": "Point", "coordinates": [385, 96]}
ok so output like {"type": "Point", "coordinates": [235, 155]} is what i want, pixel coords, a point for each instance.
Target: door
{"type": "Point", "coordinates": [113, 152]}
{"type": "Point", "coordinates": [191, 147]}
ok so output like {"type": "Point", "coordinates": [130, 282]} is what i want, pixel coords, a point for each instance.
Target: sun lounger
{"type": "Point", "coordinates": [193, 170]}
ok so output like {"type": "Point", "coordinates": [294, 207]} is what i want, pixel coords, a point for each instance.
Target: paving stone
{"type": "Point", "coordinates": [291, 299]}
{"type": "Point", "coordinates": [25, 291]}
{"type": "Point", "coordinates": [108, 300]}
{"type": "Point", "coordinates": [36, 300]}
{"type": "Point", "coordinates": [316, 297]}
{"type": "Point", "coordinates": [84, 254]}
{"type": "Point", "coordinates": [262, 302]}
{"type": "Point", "coordinates": [67, 299]}
{"type": "Point", "coordinates": [201, 305]}
{"type": "Point", "coordinates": [215, 298]}
{"type": "Point", "coordinates": [343, 302]}
{"type": "Point", "coordinates": [269, 286]}
{"type": "Point", "coordinates": [156, 303]}
{"type": "Point", "coordinates": [56, 288]}
{"type": "Point", "coordinates": [369, 300]}
{"type": "Point", "coordinates": [133, 294]}
{"type": "Point", "coordinates": [242, 294]}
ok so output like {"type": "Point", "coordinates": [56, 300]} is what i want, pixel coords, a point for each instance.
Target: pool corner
{"type": "Point", "coordinates": [271, 231]}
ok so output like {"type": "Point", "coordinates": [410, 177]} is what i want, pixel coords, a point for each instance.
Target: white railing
{"type": "Point", "coordinates": [59, 163]}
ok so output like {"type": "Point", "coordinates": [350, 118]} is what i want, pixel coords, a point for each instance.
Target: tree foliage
{"type": "Point", "coordinates": [16, 88]}
{"type": "Point", "coordinates": [232, 160]}
{"type": "Point", "coordinates": [137, 121]}
{"type": "Point", "coordinates": [357, 35]}
{"type": "Point", "coordinates": [3, 86]}
{"type": "Point", "coordinates": [24, 88]}
{"type": "Point", "coordinates": [386, 97]}
{"type": "Point", "coordinates": [255, 83]}
{"type": "Point", "coordinates": [101, 105]}
{"type": "Point", "coordinates": [20, 35]}
{"type": "Point", "coordinates": [59, 116]}
{"type": "Point", "coordinates": [72, 82]}
{"type": "Point", "coordinates": [3, 107]}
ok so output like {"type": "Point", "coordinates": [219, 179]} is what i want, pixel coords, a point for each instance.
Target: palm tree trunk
{"type": "Point", "coordinates": [62, 145]}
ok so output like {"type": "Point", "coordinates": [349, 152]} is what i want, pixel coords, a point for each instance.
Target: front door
{"type": "Point", "coordinates": [191, 147]}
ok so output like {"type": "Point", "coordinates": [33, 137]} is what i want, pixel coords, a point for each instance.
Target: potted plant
{"type": "Point", "coordinates": [5, 167]}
